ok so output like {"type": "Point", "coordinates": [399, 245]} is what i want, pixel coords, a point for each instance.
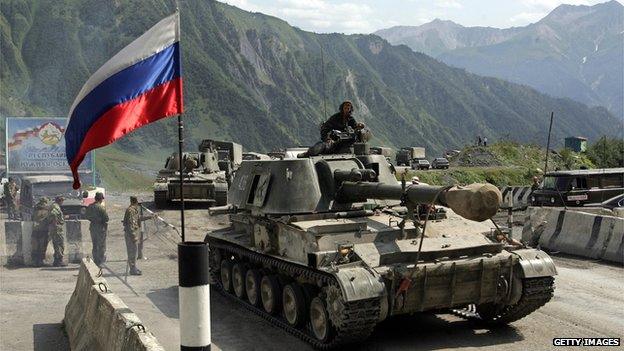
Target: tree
{"type": "Point", "coordinates": [607, 152]}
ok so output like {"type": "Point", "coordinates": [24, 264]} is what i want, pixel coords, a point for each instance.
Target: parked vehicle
{"type": "Point", "coordinates": [585, 187]}
{"type": "Point", "coordinates": [407, 155]}
{"type": "Point", "coordinates": [440, 163]}
{"type": "Point", "coordinates": [421, 164]}
{"type": "Point", "coordinates": [50, 186]}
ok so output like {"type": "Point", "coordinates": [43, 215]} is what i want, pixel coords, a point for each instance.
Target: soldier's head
{"type": "Point", "coordinates": [133, 200]}
{"type": "Point", "coordinates": [535, 179]}
{"type": "Point", "coordinates": [43, 201]}
{"type": "Point", "coordinates": [99, 196]}
{"type": "Point", "coordinates": [346, 108]}
{"type": "Point", "coordinates": [415, 180]}
{"type": "Point", "coordinates": [11, 180]}
{"type": "Point", "coordinates": [59, 200]}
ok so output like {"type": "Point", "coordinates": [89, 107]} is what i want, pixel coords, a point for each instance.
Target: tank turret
{"type": "Point", "coordinates": [327, 246]}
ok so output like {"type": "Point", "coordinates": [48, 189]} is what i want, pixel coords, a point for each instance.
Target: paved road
{"type": "Point", "coordinates": [589, 301]}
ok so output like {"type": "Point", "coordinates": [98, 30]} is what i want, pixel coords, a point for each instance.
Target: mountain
{"type": "Point", "coordinates": [575, 51]}
{"type": "Point", "coordinates": [256, 80]}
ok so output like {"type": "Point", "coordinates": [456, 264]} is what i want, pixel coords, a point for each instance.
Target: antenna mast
{"type": "Point", "coordinates": [323, 78]}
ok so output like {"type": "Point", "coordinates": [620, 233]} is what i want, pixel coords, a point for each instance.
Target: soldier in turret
{"type": "Point", "coordinates": [39, 237]}
{"type": "Point", "coordinates": [132, 230]}
{"type": "Point", "coordinates": [56, 231]}
{"type": "Point", "coordinates": [98, 218]}
{"type": "Point", "coordinates": [340, 120]}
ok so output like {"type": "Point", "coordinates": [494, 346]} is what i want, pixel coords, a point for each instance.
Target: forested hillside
{"type": "Point", "coordinates": [258, 81]}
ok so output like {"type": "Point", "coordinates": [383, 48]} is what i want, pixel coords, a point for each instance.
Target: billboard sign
{"type": "Point", "coordinates": [37, 145]}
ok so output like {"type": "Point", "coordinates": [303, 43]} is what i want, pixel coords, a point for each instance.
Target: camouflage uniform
{"type": "Point", "coordinates": [10, 197]}
{"type": "Point", "coordinates": [132, 230]}
{"type": "Point", "coordinates": [39, 238]}
{"type": "Point", "coordinates": [56, 223]}
{"type": "Point", "coordinates": [96, 214]}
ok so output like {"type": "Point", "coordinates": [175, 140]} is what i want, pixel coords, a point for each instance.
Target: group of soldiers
{"type": "Point", "coordinates": [98, 218]}
{"type": "Point", "coordinates": [98, 227]}
{"type": "Point", "coordinates": [49, 222]}
{"type": "Point", "coordinates": [10, 198]}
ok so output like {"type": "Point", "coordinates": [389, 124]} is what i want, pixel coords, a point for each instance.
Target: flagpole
{"type": "Point", "coordinates": [180, 146]}
{"type": "Point", "coordinates": [180, 141]}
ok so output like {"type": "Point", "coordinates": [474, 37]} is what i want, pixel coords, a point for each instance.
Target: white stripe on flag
{"type": "Point", "coordinates": [160, 36]}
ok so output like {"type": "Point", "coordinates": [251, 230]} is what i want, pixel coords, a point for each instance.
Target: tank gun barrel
{"type": "Point", "coordinates": [476, 202]}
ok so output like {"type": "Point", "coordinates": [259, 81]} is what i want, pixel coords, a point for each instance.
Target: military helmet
{"type": "Point", "coordinates": [99, 196]}
{"type": "Point", "coordinates": [43, 200]}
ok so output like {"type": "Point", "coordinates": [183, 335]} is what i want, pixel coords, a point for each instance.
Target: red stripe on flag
{"type": "Point", "coordinates": [163, 101]}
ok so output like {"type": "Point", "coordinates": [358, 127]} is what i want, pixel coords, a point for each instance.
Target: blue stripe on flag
{"type": "Point", "coordinates": [122, 86]}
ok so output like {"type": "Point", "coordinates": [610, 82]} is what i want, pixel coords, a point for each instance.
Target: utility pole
{"type": "Point", "coordinates": [552, 114]}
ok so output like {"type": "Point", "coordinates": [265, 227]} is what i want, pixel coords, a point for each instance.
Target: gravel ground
{"type": "Point", "coordinates": [588, 302]}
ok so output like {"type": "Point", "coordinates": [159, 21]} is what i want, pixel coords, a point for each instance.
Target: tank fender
{"type": "Point", "coordinates": [358, 283]}
{"type": "Point", "coordinates": [161, 186]}
{"type": "Point", "coordinates": [535, 263]}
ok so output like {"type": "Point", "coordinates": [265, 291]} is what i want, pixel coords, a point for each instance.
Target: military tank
{"type": "Point", "coordinates": [327, 246]}
{"type": "Point", "coordinates": [206, 173]}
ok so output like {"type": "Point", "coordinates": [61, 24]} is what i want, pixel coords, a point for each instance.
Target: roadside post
{"type": "Point", "coordinates": [194, 296]}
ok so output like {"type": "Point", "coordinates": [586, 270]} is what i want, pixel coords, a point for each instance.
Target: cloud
{"type": "Point", "coordinates": [548, 5]}
{"type": "Point", "coordinates": [319, 15]}
{"type": "Point", "coordinates": [243, 4]}
{"type": "Point", "coordinates": [527, 17]}
{"type": "Point", "coordinates": [347, 17]}
{"type": "Point", "coordinates": [449, 4]}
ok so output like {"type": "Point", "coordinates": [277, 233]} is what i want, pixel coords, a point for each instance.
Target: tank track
{"type": "Point", "coordinates": [160, 199]}
{"type": "Point", "coordinates": [536, 292]}
{"type": "Point", "coordinates": [360, 317]}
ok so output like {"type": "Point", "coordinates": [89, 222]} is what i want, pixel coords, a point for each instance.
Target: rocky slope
{"type": "Point", "coordinates": [575, 51]}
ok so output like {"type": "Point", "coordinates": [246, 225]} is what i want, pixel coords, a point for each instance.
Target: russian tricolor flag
{"type": "Point", "coordinates": [139, 85]}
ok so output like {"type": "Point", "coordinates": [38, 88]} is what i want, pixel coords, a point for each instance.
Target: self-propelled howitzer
{"type": "Point", "coordinates": [326, 247]}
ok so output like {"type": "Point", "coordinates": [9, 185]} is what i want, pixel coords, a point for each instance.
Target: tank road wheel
{"type": "Point", "coordinates": [252, 286]}
{"type": "Point", "coordinates": [239, 270]}
{"type": "Point", "coordinates": [270, 293]}
{"type": "Point", "coordinates": [319, 320]}
{"type": "Point", "coordinates": [226, 275]}
{"type": "Point", "coordinates": [294, 304]}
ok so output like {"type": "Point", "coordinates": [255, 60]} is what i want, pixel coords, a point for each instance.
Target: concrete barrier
{"type": "Point", "coordinates": [97, 319]}
{"type": "Point", "coordinates": [575, 232]}
{"type": "Point", "coordinates": [16, 246]}
{"type": "Point", "coordinates": [519, 196]}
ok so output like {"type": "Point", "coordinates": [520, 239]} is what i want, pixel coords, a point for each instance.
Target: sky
{"type": "Point", "coordinates": [366, 16]}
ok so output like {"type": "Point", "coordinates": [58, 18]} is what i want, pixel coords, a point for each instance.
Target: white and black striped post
{"type": "Point", "coordinates": [194, 296]}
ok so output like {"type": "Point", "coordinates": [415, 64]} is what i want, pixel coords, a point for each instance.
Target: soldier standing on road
{"type": "Point", "coordinates": [10, 197]}
{"type": "Point", "coordinates": [39, 237]}
{"type": "Point", "coordinates": [56, 230]}
{"type": "Point", "coordinates": [132, 230]}
{"type": "Point", "coordinates": [484, 141]}
{"type": "Point", "coordinates": [98, 218]}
